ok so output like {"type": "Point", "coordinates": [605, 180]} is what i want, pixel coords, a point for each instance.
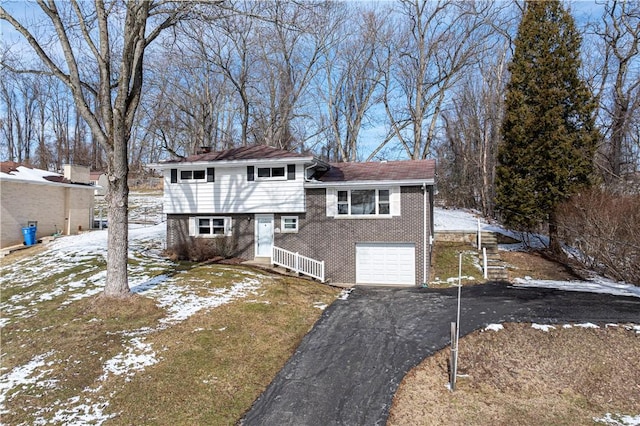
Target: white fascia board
{"type": "Point", "coordinates": [231, 163]}
{"type": "Point", "coordinates": [362, 183]}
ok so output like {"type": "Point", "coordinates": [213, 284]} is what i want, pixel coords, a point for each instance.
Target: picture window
{"type": "Point", "coordinates": [364, 202]}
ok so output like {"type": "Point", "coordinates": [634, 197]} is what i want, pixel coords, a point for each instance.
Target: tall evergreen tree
{"type": "Point", "coordinates": [549, 135]}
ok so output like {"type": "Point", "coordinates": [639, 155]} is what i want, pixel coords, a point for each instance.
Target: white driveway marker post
{"type": "Point", "coordinates": [484, 262]}
{"type": "Point", "coordinates": [455, 361]}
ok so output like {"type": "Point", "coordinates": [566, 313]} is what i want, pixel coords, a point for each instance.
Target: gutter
{"type": "Point", "coordinates": [314, 164]}
{"type": "Point", "coordinates": [229, 163]}
{"type": "Point", "coordinates": [369, 183]}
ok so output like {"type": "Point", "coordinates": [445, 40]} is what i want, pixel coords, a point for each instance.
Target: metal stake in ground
{"type": "Point", "coordinates": [455, 337]}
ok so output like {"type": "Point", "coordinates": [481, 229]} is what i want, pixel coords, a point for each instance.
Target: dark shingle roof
{"type": "Point", "coordinates": [252, 152]}
{"type": "Point", "coordinates": [379, 171]}
{"type": "Point", "coordinates": [10, 166]}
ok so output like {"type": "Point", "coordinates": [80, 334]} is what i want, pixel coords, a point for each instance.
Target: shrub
{"type": "Point", "coordinates": [201, 249]}
{"type": "Point", "coordinates": [604, 228]}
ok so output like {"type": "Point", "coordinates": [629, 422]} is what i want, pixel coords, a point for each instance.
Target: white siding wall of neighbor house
{"type": "Point", "coordinates": [232, 193]}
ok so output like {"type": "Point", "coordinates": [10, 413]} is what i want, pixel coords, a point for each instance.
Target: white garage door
{"type": "Point", "coordinates": [385, 263]}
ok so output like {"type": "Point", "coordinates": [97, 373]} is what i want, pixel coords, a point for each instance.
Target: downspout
{"type": "Point", "coordinates": [424, 234]}
{"type": "Point", "coordinates": [314, 164]}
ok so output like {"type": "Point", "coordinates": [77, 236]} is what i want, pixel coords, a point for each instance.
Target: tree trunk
{"type": "Point", "coordinates": [554, 241]}
{"type": "Point", "coordinates": [118, 220]}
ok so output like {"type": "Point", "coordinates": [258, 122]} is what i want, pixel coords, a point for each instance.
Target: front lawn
{"type": "Point", "coordinates": [196, 344]}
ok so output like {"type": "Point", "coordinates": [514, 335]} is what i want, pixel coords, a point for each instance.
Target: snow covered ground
{"type": "Point", "coordinates": [464, 220]}
{"type": "Point", "coordinates": [77, 263]}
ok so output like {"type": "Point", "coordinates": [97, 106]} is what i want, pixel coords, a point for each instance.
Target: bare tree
{"type": "Point", "coordinates": [20, 95]}
{"type": "Point", "coordinates": [88, 37]}
{"type": "Point", "coordinates": [8, 98]}
{"type": "Point", "coordinates": [230, 47]}
{"type": "Point", "coordinates": [438, 41]}
{"type": "Point", "coordinates": [618, 86]}
{"type": "Point", "coordinates": [292, 37]}
{"type": "Point", "coordinates": [353, 69]}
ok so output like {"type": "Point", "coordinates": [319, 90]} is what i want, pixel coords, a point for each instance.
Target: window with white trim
{"type": "Point", "coordinates": [211, 226]}
{"type": "Point", "coordinates": [289, 224]}
{"type": "Point", "coordinates": [360, 202]}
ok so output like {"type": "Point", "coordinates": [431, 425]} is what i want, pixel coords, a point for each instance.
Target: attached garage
{"type": "Point", "coordinates": [386, 263]}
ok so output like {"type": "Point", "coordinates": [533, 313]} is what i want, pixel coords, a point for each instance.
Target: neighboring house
{"type": "Point", "coordinates": [61, 204]}
{"type": "Point", "coordinates": [100, 182]}
{"type": "Point", "coordinates": [371, 223]}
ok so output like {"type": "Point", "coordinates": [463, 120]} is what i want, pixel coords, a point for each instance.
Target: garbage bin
{"type": "Point", "coordinates": [29, 234]}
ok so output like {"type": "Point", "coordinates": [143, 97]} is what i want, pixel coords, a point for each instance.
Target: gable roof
{"type": "Point", "coordinates": [407, 171]}
{"type": "Point", "coordinates": [397, 171]}
{"type": "Point", "coordinates": [17, 172]}
{"type": "Point", "coordinates": [251, 152]}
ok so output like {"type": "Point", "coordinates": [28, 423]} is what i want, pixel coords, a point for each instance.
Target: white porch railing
{"type": "Point", "coordinates": [298, 263]}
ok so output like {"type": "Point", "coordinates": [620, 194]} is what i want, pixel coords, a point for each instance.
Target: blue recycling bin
{"type": "Point", "coordinates": [29, 234]}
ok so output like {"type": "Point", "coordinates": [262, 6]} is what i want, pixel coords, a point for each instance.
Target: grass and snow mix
{"type": "Point", "coordinates": [49, 304]}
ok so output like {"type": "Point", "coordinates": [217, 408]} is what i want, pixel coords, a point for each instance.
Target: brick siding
{"type": "Point", "coordinates": [334, 240]}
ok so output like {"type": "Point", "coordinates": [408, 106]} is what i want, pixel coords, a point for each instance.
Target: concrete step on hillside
{"type": "Point", "coordinates": [497, 273]}
{"type": "Point", "coordinates": [496, 269]}
{"type": "Point", "coordinates": [489, 241]}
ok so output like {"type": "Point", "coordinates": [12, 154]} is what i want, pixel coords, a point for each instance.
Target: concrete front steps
{"type": "Point", "coordinates": [496, 268]}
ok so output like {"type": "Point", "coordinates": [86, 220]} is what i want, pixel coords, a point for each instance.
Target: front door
{"type": "Point", "coordinates": [264, 235]}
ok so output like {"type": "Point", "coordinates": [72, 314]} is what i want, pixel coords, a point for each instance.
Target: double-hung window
{"type": "Point", "coordinates": [361, 202]}
{"type": "Point", "coordinates": [212, 226]}
{"type": "Point", "coordinates": [289, 223]}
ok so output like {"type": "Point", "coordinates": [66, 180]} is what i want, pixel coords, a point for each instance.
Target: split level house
{"type": "Point", "coordinates": [365, 223]}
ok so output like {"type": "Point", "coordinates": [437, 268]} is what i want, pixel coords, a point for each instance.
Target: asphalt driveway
{"type": "Point", "coordinates": [348, 367]}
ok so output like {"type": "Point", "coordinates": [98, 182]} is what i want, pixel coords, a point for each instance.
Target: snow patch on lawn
{"type": "Point", "coordinates": [494, 327]}
{"type": "Point", "coordinates": [136, 357]}
{"type": "Point", "coordinates": [23, 376]}
{"type": "Point", "coordinates": [542, 327]}
{"type": "Point", "coordinates": [618, 419]}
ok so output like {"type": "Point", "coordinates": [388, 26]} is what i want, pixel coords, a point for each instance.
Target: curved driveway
{"type": "Point", "coordinates": [347, 369]}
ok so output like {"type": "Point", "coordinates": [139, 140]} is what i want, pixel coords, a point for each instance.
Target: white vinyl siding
{"type": "Point", "coordinates": [232, 193]}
